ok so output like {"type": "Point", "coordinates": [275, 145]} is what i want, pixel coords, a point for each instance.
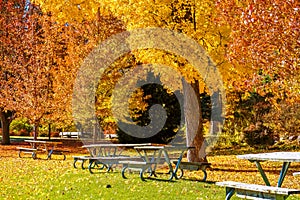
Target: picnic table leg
{"type": "Point", "coordinates": [283, 172]}
{"type": "Point", "coordinates": [263, 174]}
{"type": "Point", "coordinates": [204, 175]}
{"type": "Point", "coordinates": [177, 167]}
{"type": "Point", "coordinates": [229, 193]}
{"type": "Point", "coordinates": [151, 160]}
{"type": "Point", "coordinates": [158, 157]}
{"type": "Point", "coordinates": [169, 164]}
{"type": "Point", "coordinates": [94, 164]}
{"type": "Point", "coordinates": [49, 153]}
{"type": "Point", "coordinates": [34, 155]}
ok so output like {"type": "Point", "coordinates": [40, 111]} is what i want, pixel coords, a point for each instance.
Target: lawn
{"type": "Point", "coordinates": [25, 178]}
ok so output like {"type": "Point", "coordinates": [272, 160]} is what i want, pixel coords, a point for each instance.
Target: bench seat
{"type": "Point", "coordinates": [32, 151]}
{"type": "Point", "coordinates": [254, 191]}
{"type": "Point", "coordinates": [58, 152]}
{"type": "Point", "coordinates": [81, 159]}
{"type": "Point", "coordinates": [193, 166]}
{"type": "Point", "coordinates": [296, 173]}
{"type": "Point", "coordinates": [108, 162]}
{"type": "Point", "coordinates": [138, 165]}
{"type": "Point", "coordinates": [134, 164]}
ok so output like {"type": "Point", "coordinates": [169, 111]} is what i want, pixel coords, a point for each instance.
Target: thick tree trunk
{"type": "Point", "coordinates": [49, 131]}
{"type": "Point", "coordinates": [36, 130]}
{"type": "Point", "coordinates": [6, 118]}
{"type": "Point", "coordinates": [193, 119]}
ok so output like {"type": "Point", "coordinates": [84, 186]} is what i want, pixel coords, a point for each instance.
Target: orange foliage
{"type": "Point", "coordinates": [265, 42]}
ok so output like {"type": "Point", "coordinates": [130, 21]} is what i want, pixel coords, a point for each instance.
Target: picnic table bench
{"type": "Point", "coordinates": [193, 166]}
{"type": "Point", "coordinates": [296, 173]}
{"type": "Point", "coordinates": [108, 162]}
{"type": "Point", "coordinates": [254, 191]}
{"type": "Point", "coordinates": [42, 146]}
{"type": "Point", "coordinates": [81, 159]}
{"type": "Point", "coordinates": [32, 151]}
{"type": "Point", "coordinates": [105, 156]}
{"type": "Point", "coordinates": [140, 166]}
{"type": "Point", "coordinates": [70, 134]}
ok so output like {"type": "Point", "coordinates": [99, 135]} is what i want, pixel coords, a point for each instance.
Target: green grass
{"type": "Point", "coordinates": [25, 178]}
{"type": "Point", "coordinates": [53, 179]}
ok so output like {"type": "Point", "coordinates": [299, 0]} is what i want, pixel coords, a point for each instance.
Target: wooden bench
{"type": "Point", "coordinates": [81, 159]}
{"type": "Point", "coordinates": [296, 173]}
{"type": "Point", "coordinates": [32, 151]}
{"type": "Point", "coordinates": [140, 166]}
{"type": "Point", "coordinates": [58, 152]}
{"type": "Point", "coordinates": [70, 134]}
{"type": "Point", "coordinates": [193, 166]}
{"type": "Point", "coordinates": [254, 191]}
{"type": "Point", "coordinates": [108, 162]}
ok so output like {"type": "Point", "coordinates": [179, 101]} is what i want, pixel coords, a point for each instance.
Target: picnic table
{"type": "Point", "coordinates": [255, 191]}
{"type": "Point", "coordinates": [106, 155]}
{"type": "Point", "coordinates": [40, 145]}
{"type": "Point", "coordinates": [153, 156]}
{"type": "Point", "coordinates": [285, 157]}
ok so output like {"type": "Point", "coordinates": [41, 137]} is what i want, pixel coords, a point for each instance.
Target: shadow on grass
{"type": "Point", "coordinates": [197, 180]}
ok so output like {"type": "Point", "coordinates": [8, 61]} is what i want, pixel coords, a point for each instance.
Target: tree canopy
{"type": "Point", "coordinates": [253, 43]}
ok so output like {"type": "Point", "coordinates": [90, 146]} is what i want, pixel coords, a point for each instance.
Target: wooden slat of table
{"type": "Point", "coordinates": [42, 142]}
{"type": "Point", "coordinates": [115, 145]}
{"type": "Point", "coordinates": [258, 188]}
{"type": "Point", "coordinates": [274, 156]}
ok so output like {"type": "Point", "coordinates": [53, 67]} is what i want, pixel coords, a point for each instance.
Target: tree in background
{"type": "Point", "coordinates": [11, 29]}
{"type": "Point", "coordinates": [264, 53]}
{"type": "Point", "coordinates": [37, 75]}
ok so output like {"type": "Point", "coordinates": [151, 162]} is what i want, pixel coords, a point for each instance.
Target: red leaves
{"type": "Point", "coordinates": [265, 35]}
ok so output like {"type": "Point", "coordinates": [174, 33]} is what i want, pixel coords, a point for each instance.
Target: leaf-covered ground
{"type": "Point", "coordinates": [25, 178]}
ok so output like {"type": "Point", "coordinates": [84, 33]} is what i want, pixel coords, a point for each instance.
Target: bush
{"type": "Point", "coordinates": [259, 134]}
{"type": "Point", "coordinates": [154, 93]}
{"type": "Point", "coordinates": [20, 127]}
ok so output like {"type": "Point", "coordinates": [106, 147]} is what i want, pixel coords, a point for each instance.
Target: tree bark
{"type": "Point", "coordinates": [193, 120]}
{"type": "Point", "coordinates": [6, 118]}
{"type": "Point", "coordinates": [36, 129]}
{"type": "Point", "coordinates": [49, 131]}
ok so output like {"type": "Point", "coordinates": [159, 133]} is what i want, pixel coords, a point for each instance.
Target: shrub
{"type": "Point", "coordinates": [20, 127]}
{"type": "Point", "coordinates": [259, 134]}
{"type": "Point", "coordinates": [154, 93]}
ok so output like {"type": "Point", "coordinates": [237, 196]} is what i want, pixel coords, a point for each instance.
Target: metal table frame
{"type": "Point", "coordinates": [285, 157]}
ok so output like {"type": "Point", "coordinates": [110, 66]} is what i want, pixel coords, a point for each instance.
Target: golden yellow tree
{"type": "Point", "coordinates": [192, 18]}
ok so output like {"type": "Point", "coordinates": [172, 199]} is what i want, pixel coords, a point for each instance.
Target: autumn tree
{"type": "Point", "coordinates": [39, 74]}
{"type": "Point", "coordinates": [264, 53]}
{"type": "Point", "coordinates": [11, 29]}
{"type": "Point", "coordinates": [192, 18]}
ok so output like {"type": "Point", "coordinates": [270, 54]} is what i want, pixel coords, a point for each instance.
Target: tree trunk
{"type": "Point", "coordinates": [6, 118]}
{"type": "Point", "coordinates": [49, 131]}
{"type": "Point", "coordinates": [193, 120]}
{"type": "Point", "coordinates": [36, 130]}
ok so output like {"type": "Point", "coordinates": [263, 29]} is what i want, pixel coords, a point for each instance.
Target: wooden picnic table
{"type": "Point", "coordinates": [109, 149]}
{"type": "Point", "coordinates": [106, 155]}
{"type": "Point", "coordinates": [154, 155]}
{"type": "Point", "coordinates": [285, 157]}
{"type": "Point", "coordinates": [40, 145]}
